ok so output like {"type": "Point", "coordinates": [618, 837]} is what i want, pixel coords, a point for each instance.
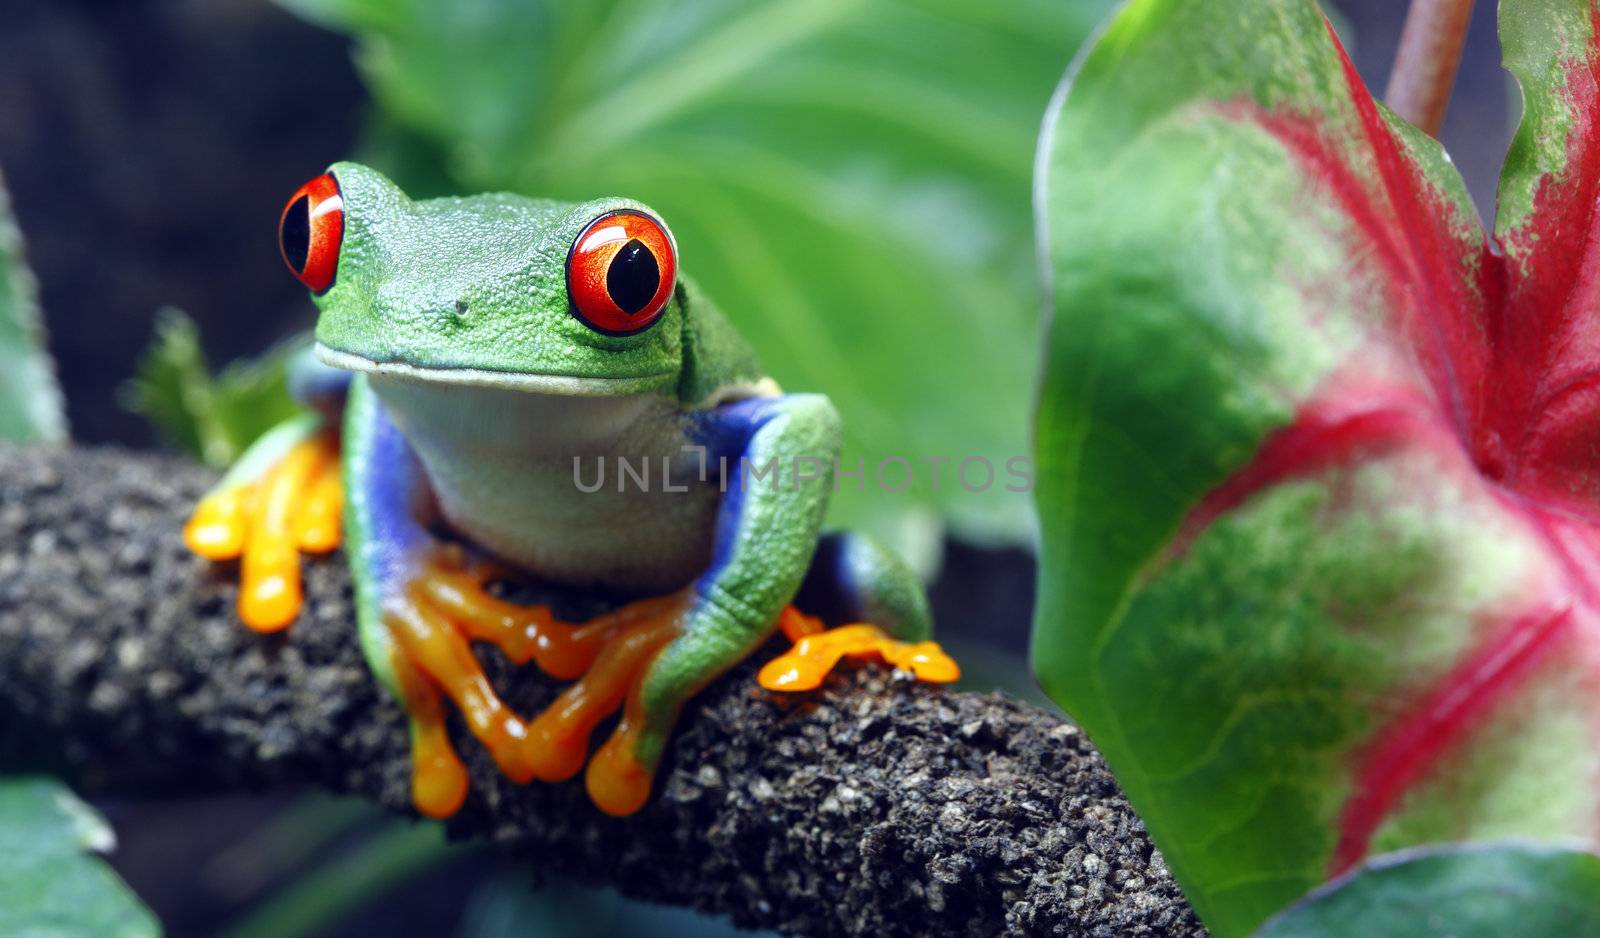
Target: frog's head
{"type": "Point", "coordinates": [496, 290]}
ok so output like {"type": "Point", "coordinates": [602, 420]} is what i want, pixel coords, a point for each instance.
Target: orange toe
{"type": "Point", "coordinates": [924, 659]}
{"type": "Point", "coordinates": [560, 735]}
{"type": "Point", "coordinates": [318, 520]}
{"type": "Point", "coordinates": [216, 530]}
{"type": "Point", "coordinates": [438, 778]}
{"type": "Point", "coordinates": [269, 591]}
{"type": "Point", "coordinates": [814, 655]}
{"type": "Point", "coordinates": [617, 781]}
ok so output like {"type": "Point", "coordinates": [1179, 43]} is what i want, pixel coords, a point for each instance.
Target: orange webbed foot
{"type": "Point", "coordinates": [618, 780]}
{"type": "Point", "coordinates": [445, 608]}
{"type": "Point", "coordinates": [818, 650]}
{"type": "Point", "coordinates": [293, 507]}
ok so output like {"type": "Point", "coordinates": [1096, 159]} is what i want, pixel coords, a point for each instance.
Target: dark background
{"type": "Point", "coordinates": [149, 147]}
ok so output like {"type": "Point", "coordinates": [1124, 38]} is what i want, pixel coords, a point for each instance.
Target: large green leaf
{"type": "Point", "coordinates": [1481, 891]}
{"type": "Point", "coordinates": [50, 887]}
{"type": "Point", "coordinates": [848, 178]}
{"type": "Point", "coordinates": [30, 401]}
{"type": "Point", "coordinates": [1319, 495]}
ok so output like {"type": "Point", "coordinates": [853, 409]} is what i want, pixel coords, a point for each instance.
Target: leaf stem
{"type": "Point", "coordinates": [1425, 66]}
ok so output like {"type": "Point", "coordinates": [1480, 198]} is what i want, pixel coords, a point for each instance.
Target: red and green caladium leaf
{"type": "Point", "coordinates": [1319, 460]}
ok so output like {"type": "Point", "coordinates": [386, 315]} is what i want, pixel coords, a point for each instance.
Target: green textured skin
{"type": "Point", "coordinates": [403, 270]}
{"type": "Point", "coordinates": [776, 537]}
{"type": "Point", "coordinates": [404, 266]}
{"type": "Point", "coordinates": [1208, 284]}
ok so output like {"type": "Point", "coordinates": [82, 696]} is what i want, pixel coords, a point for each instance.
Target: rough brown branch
{"type": "Point", "coordinates": [1425, 65]}
{"type": "Point", "coordinates": [874, 808]}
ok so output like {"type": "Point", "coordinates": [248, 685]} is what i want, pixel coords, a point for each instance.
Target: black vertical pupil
{"type": "Point", "coordinates": [295, 233]}
{"type": "Point", "coordinates": [633, 277]}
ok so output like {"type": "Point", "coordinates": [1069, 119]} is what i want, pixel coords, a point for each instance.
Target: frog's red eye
{"type": "Point", "coordinates": [620, 272]}
{"type": "Point", "coordinates": [310, 231]}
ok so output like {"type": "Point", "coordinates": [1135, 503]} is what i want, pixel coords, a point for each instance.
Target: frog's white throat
{"type": "Point", "coordinates": [505, 467]}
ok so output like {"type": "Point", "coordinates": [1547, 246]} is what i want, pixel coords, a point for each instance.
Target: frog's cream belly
{"type": "Point", "coordinates": [502, 466]}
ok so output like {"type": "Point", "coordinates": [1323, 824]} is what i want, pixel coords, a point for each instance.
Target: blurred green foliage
{"type": "Point", "coordinates": [49, 884]}
{"type": "Point", "coordinates": [210, 417]}
{"type": "Point", "coordinates": [508, 907]}
{"type": "Point", "coordinates": [850, 179]}
{"type": "Point", "coordinates": [387, 857]}
{"type": "Point", "coordinates": [332, 859]}
{"type": "Point", "coordinates": [30, 400]}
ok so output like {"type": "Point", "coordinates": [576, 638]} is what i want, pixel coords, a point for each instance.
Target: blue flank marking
{"type": "Point", "coordinates": [839, 544]}
{"type": "Point", "coordinates": [391, 481]}
{"type": "Point", "coordinates": [726, 432]}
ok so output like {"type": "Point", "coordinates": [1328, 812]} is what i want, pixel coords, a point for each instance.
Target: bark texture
{"type": "Point", "coordinates": [874, 807]}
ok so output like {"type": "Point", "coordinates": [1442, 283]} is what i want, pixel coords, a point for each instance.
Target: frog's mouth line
{"type": "Point", "coordinates": [571, 385]}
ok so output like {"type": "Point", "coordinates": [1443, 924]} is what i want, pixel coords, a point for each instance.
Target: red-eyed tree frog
{"type": "Point", "coordinates": [479, 364]}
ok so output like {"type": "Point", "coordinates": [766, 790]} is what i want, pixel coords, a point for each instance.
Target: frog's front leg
{"type": "Point", "coordinates": [781, 454]}
{"type": "Point", "coordinates": [282, 498]}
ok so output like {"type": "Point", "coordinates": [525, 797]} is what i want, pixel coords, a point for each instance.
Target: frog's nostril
{"type": "Point", "coordinates": [462, 310]}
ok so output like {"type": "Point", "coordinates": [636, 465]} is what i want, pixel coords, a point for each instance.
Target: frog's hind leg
{"type": "Point", "coordinates": [420, 604]}
{"type": "Point", "coordinates": [854, 578]}
{"type": "Point", "coordinates": [880, 605]}
{"type": "Point", "coordinates": [609, 657]}
{"type": "Point", "coordinates": [282, 498]}
{"type": "Point", "coordinates": [412, 643]}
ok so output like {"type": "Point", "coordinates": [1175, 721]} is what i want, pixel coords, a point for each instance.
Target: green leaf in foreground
{"type": "Point", "coordinates": [848, 179]}
{"type": "Point", "coordinates": [30, 400]}
{"type": "Point", "coordinates": [1478, 891]}
{"type": "Point", "coordinates": [1318, 487]}
{"type": "Point", "coordinates": [50, 884]}
{"type": "Point", "coordinates": [211, 418]}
